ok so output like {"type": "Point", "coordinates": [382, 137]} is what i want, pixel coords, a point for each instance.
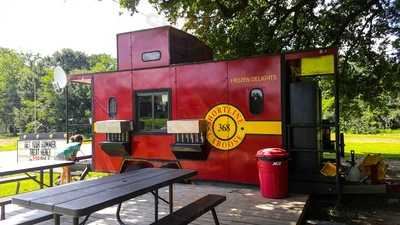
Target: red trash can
{"type": "Point", "coordinates": [273, 172]}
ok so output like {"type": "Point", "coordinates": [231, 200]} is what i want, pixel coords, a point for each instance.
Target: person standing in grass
{"type": "Point", "coordinates": [69, 153]}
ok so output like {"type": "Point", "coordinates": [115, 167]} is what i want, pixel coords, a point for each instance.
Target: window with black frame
{"type": "Point", "coordinates": [256, 100]}
{"type": "Point", "coordinates": [112, 107]}
{"type": "Point", "coordinates": [152, 111]}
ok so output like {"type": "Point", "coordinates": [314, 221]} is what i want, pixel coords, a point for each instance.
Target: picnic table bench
{"type": "Point", "coordinates": [28, 218]}
{"type": "Point", "coordinates": [26, 168]}
{"type": "Point", "coordinates": [82, 198]}
{"type": "Point", "coordinates": [193, 211]}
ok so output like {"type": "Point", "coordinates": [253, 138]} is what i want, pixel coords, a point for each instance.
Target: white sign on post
{"type": "Point", "coordinates": [39, 146]}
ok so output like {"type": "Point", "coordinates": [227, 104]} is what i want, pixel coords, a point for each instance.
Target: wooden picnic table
{"type": "Point", "coordinates": [33, 166]}
{"type": "Point", "coordinates": [86, 197]}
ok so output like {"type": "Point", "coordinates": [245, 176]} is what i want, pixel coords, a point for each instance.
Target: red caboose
{"type": "Point", "coordinates": [169, 101]}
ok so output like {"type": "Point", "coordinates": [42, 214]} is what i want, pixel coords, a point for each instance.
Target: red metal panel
{"type": "Point", "coordinates": [262, 73]}
{"type": "Point", "coordinates": [216, 167]}
{"type": "Point", "coordinates": [147, 41]}
{"type": "Point", "coordinates": [153, 145]}
{"type": "Point", "coordinates": [124, 51]}
{"type": "Point", "coordinates": [199, 88]}
{"type": "Point", "coordinates": [118, 85]}
{"type": "Point", "coordinates": [157, 78]}
{"type": "Point", "coordinates": [243, 76]}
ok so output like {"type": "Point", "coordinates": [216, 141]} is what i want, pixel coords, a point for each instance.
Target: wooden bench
{"type": "Point", "coordinates": [193, 211]}
{"type": "Point", "coordinates": [5, 201]}
{"type": "Point", "coordinates": [28, 218]}
{"type": "Point", "coordinates": [17, 179]}
{"type": "Point", "coordinates": [31, 217]}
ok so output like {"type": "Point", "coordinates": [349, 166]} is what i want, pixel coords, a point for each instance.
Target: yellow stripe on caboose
{"type": "Point", "coordinates": [263, 127]}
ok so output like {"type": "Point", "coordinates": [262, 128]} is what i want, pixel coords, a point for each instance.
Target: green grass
{"type": "Point", "coordinates": [8, 143]}
{"type": "Point", "coordinates": [26, 185]}
{"type": "Point", "coordinates": [29, 185]}
{"type": "Point", "coordinates": [386, 143]}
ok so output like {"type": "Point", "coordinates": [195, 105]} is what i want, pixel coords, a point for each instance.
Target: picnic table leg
{"type": "Point", "coordinates": [171, 199]}
{"type": "Point", "coordinates": [75, 221]}
{"type": "Point", "coordinates": [41, 179]}
{"type": "Point", "coordinates": [156, 205]}
{"type": "Point", "coordinates": [3, 212]}
{"type": "Point", "coordinates": [56, 219]}
{"type": "Point", "coordinates": [51, 177]}
{"type": "Point", "coordinates": [85, 172]}
{"type": "Point", "coordinates": [84, 220]}
{"type": "Point", "coordinates": [215, 216]}
{"type": "Point", "coordinates": [118, 214]}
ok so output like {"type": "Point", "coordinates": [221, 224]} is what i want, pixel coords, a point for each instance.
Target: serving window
{"type": "Point", "coordinates": [152, 111]}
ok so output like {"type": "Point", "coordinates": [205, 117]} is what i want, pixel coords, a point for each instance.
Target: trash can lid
{"type": "Point", "coordinates": [272, 153]}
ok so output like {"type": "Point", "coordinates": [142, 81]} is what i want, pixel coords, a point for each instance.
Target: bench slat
{"type": "Point", "coordinates": [5, 201]}
{"type": "Point", "coordinates": [14, 179]}
{"type": "Point", "coordinates": [28, 218]}
{"type": "Point", "coordinates": [192, 211]}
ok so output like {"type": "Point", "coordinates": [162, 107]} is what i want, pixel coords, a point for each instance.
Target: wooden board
{"type": "Point", "coordinates": [112, 126]}
{"type": "Point", "coordinates": [186, 126]}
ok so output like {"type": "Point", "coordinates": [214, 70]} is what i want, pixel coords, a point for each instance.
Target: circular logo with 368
{"type": "Point", "coordinates": [225, 127]}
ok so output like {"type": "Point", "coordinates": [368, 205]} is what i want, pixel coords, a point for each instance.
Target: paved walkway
{"type": "Point", "coordinates": [244, 206]}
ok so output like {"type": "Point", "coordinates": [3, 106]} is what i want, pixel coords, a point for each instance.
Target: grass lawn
{"type": "Point", "coordinates": [387, 143]}
{"type": "Point", "coordinates": [30, 185]}
{"type": "Point", "coordinates": [8, 143]}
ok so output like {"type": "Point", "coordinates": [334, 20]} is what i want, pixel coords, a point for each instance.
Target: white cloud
{"type": "Point", "coordinates": [45, 26]}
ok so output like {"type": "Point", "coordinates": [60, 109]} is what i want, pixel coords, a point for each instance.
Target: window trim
{"type": "Point", "coordinates": [158, 59]}
{"type": "Point", "coordinates": [151, 92]}
{"type": "Point", "coordinates": [263, 101]}
{"type": "Point", "coordinates": [116, 107]}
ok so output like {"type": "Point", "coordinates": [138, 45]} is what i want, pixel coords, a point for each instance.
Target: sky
{"type": "Point", "coordinates": [90, 26]}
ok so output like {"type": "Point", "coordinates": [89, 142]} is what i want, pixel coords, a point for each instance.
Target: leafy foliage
{"type": "Point", "coordinates": [367, 32]}
{"type": "Point", "coordinates": [26, 77]}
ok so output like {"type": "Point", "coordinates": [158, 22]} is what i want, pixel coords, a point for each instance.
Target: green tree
{"type": "Point", "coordinates": [102, 63]}
{"type": "Point", "coordinates": [367, 32]}
{"type": "Point", "coordinates": [27, 98]}
{"type": "Point", "coordinates": [12, 70]}
{"type": "Point", "coordinates": [69, 60]}
{"type": "Point", "coordinates": [79, 96]}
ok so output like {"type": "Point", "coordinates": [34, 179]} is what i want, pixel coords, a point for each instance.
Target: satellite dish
{"type": "Point", "coordinates": [59, 79]}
